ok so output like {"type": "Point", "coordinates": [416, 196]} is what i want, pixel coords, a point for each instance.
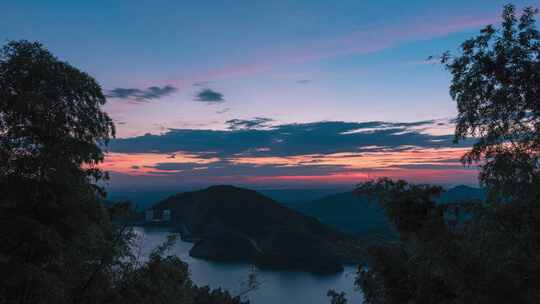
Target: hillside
{"type": "Point", "coordinates": [348, 213]}
{"type": "Point", "coordinates": [230, 223]}
{"type": "Point", "coordinates": [355, 215]}
{"type": "Point", "coordinates": [461, 193]}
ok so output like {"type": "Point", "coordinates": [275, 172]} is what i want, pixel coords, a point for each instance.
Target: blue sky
{"type": "Point", "coordinates": [286, 61]}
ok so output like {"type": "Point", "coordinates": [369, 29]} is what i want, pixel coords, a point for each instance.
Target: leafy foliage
{"type": "Point", "coordinates": [466, 252]}
{"type": "Point", "coordinates": [55, 232]}
{"type": "Point", "coordinates": [336, 297]}
{"type": "Point", "coordinates": [59, 242]}
{"type": "Point", "coordinates": [473, 251]}
{"type": "Point", "coordinates": [496, 86]}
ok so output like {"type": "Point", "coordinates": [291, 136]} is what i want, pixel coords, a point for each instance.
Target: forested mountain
{"type": "Point", "coordinates": [231, 223]}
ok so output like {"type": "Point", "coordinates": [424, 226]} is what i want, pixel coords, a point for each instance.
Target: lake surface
{"type": "Point", "coordinates": [284, 287]}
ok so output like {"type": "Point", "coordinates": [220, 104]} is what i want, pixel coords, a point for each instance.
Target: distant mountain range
{"type": "Point", "coordinates": [229, 223]}
{"type": "Point", "coordinates": [335, 207]}
{"type": "Point", "coordinates": [460, 193]}
{"type": "Point", "coordinates": [352, 214]}
{"type": "Point", "coordinates": [348, 213]}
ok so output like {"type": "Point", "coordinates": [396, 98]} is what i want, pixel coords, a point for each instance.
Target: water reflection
{"type": "Point", "coordinates": [285, 287]}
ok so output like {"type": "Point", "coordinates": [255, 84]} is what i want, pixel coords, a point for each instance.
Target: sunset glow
{"type": "Point", "coordinates": [373, 160]}
{"type": "Point", "coordinates": [268, 92]}
{"type": "Point", "coordinates": [439, 165]}
{"type": "Point", "coordinates": [144, 163]}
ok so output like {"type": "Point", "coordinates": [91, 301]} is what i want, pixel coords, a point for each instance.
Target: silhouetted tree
{"type": "Point", "coordinates": [58, 241]}
{"type": "Point", "coordinates": [336, 297]}
{"type": "Point", "coordinates": [496, 84]}
{"type": "Point", "coordinates": [51, 127]}
{"type": "Point", "coordinates": [473, 251]}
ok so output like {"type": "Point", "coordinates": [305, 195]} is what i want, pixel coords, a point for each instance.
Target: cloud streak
{"type": "Point", "coordinates": [310, 152]}
{"type": "Point", "coordinates": [142, 95]}
{"type": "Point", "coordinates": [323, 137]}
{"type": "Point", "coordinates": [245, 124]}
{"type": "Point", "coordinates": [366, 41]}
{"type": "Point", "coordinates": [371, 39]}
{"type": "Point", "coordinates": [209, 96]}
{"type": "Point", "coordinates": [222, 111]}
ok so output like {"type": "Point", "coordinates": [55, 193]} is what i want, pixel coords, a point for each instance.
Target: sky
{"type": "Point", "coordinates": [267, 93]}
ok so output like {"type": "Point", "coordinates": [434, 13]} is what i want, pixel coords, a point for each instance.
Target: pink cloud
{"type": "Point", "coordinates": [357, 167]}
{"type": "Point", "coordinates": [143, 164]}
{"type": "Point", "coordinates": [447, 176]}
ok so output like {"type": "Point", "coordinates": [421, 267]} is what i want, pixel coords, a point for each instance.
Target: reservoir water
{"type": "Point", "coordinates": [275, 287]}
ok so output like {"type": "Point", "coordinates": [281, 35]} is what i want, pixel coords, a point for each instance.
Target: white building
{"type": "Point", "coordinates": [166, 216]}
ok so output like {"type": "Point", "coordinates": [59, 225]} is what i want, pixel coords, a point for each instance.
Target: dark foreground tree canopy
{"type": "Point", "coordinates": [474, 251]}
{"type": "Point", "coordinates": [496, 84]}
{"type": "Point", "coordinates": [58, 243]}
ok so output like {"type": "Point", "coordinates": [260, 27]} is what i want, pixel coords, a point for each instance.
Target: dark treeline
{"type": "Point", "coordinates": [474, 251]}
{"type": "Point", "coordinates": [58, 241]}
